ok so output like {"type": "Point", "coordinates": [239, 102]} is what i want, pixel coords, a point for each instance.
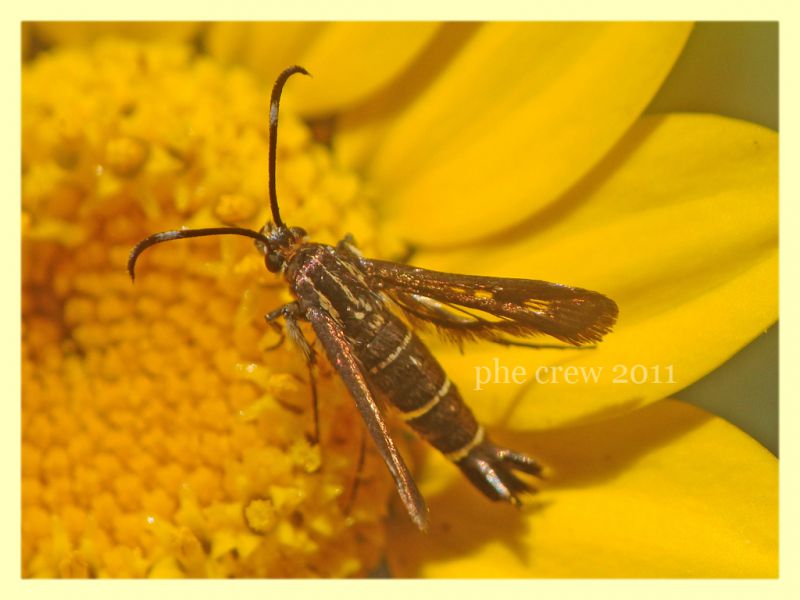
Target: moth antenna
{"type": "Point", "coordinates": [178, 234]}
{"type": "Point", "coordinates": [274, 104]}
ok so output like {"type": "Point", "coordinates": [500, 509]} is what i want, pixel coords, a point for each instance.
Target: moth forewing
{"type": "Point", "coordinates": [523, 307]}
{"type": "Point", "coordinates": [341, 354]}
{"type": "Point", "coordinates": [344, 297]}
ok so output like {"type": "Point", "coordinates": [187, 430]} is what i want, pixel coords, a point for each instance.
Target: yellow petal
{"type": "Point", "coordinates": [362, 131]}
{"type": "Point", "coordinates": [348, 61]}
{"type": "Point", "coordinates": [667, 491]}
{"type": "Point", "coordinates": [680, 228]}
{"type": "Point", "coordinates": [265, 48]}
{"type": "Point", "coordinates": [516, 118]}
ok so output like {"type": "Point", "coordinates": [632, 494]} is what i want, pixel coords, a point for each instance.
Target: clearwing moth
{"type": "Point", "coordinates": [346, 299]}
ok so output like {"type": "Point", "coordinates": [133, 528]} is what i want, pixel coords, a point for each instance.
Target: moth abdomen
{"type": "Point", "coordinates": [491, 468]}
{"type": "Point", "coordinates": [430, 403]}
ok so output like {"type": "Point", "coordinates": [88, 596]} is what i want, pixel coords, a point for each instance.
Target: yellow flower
{"type": "Point", "coordinates": [150, 448]}
{"type": "Point", "coordinates": [161, 438]}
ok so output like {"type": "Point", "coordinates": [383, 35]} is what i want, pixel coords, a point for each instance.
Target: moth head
{"type": "Point", "coordinates": [283, 241]}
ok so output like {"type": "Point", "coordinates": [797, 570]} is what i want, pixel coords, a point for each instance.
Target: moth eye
{"type": "Point", "coordinates": [274, 262]}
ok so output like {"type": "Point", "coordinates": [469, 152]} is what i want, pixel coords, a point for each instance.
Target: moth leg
{"type": "Point", "coordinates": [407, 254]}
{"type": "Point", "coordinates": [351, 500]}
{"type": "Point", "coordinates": [271, 321]}
{"type": "Point", "coordinates": [343, 358]}
{"type": "Point", "coordinates": [291, 314]}
{"type": "Point", "coordinates": [348, 245]}
{"type": "Point", "coordinates": [312, 380]}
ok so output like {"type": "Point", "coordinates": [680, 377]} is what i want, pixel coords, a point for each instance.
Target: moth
{"type": "Point", "coordinates": [347, 298]}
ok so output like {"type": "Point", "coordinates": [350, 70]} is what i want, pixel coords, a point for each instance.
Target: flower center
{"type": "Point", "coordinates": [161, 436]}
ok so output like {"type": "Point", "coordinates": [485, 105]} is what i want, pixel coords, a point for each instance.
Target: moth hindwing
{"type": "Point", "coordinates": [346, 298]}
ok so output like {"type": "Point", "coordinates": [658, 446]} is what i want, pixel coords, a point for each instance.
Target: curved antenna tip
{"type": "Point", "coordinates": [274, 104]}
{"type": "Point", "coordinates": [292, 70]}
